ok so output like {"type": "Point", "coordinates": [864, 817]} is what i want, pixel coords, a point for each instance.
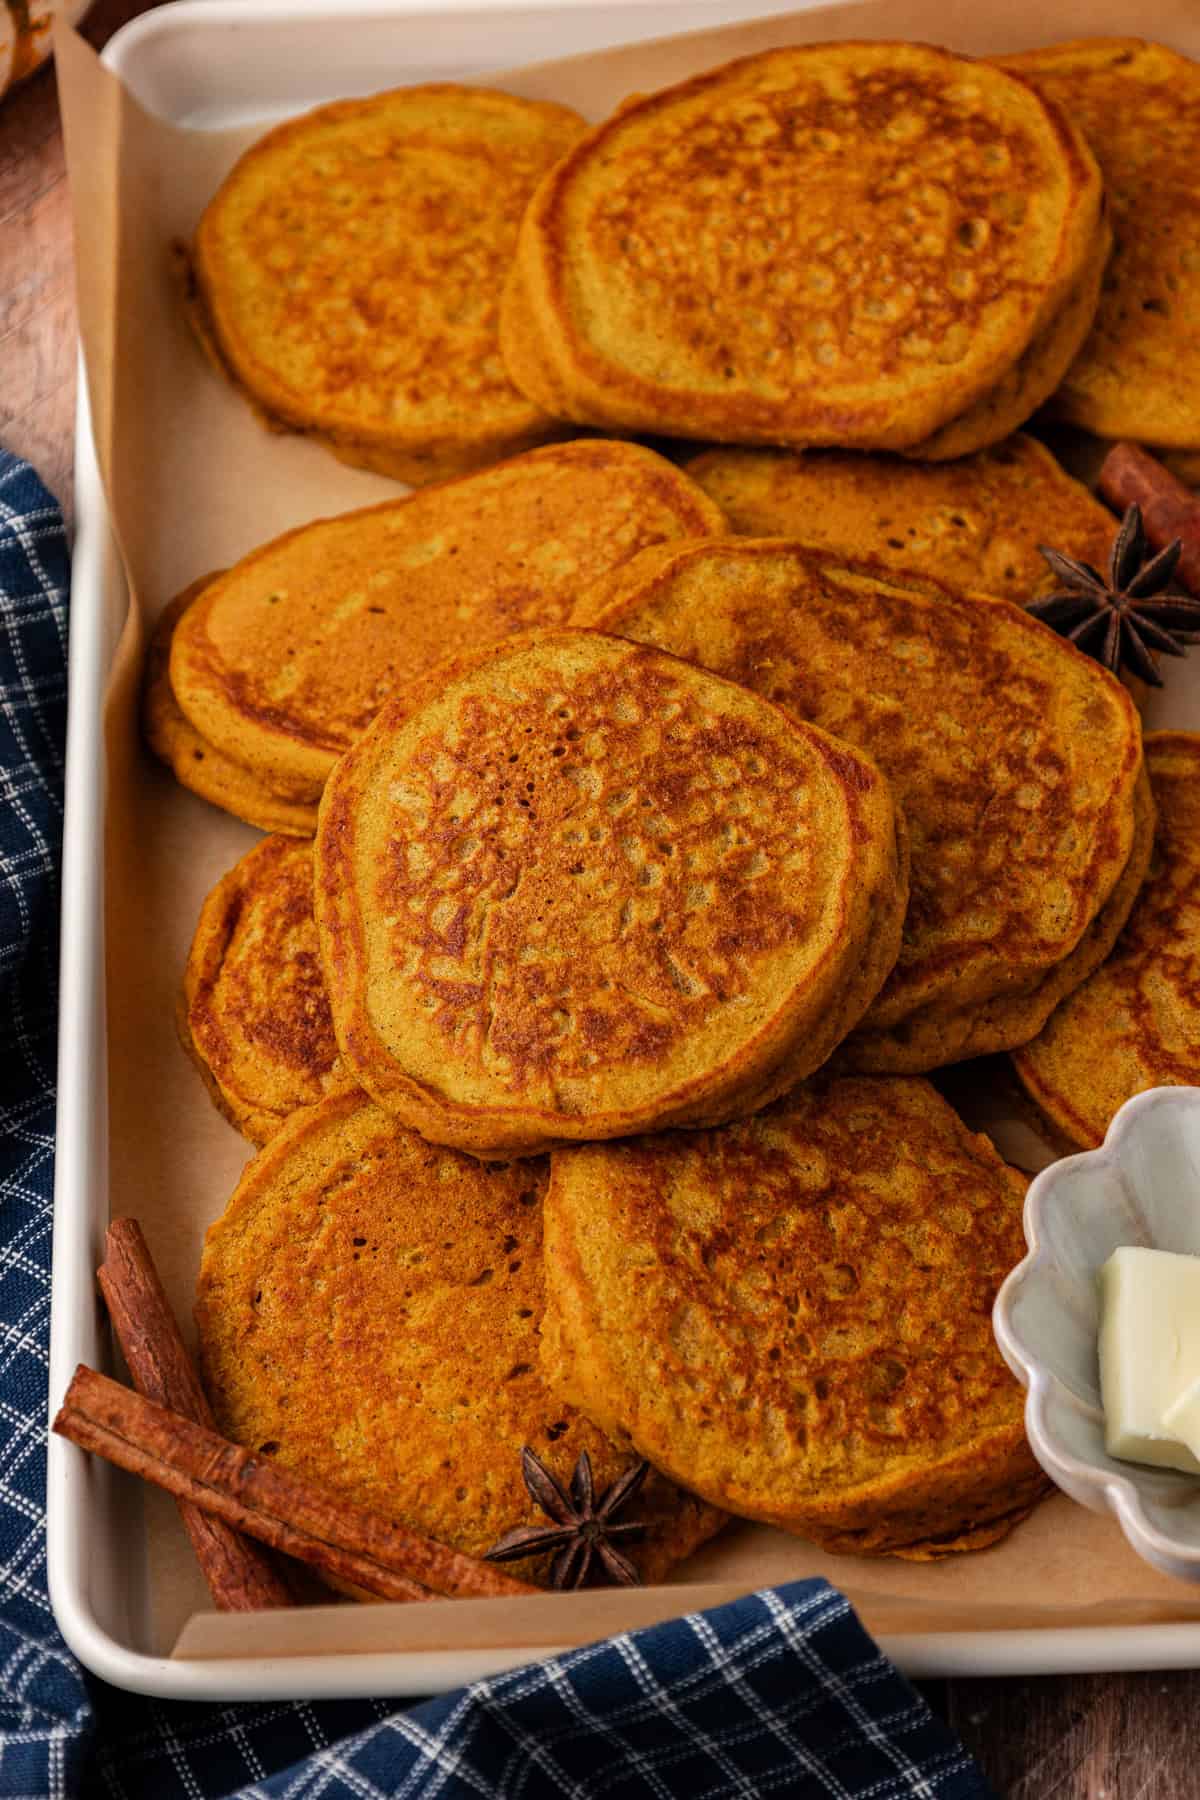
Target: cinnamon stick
{"type": "Point", "coordinates": [1168, 506]}
{"type": "Point", "coordinates": [271, 1504]}
{"type": "Point", "coordinates": [241, 1576]}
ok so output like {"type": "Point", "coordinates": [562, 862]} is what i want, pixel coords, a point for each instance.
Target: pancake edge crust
{"type": "Point", "coordinates": [559, 368]}
{"type": "Point", "coordinates": [800, 1034]}
{"type": "Point", "coordinates": [1076, 1123]}
{"type": "Point", "coordinates": [311, 1173]}
{"type": "Point", "coordinates": [961, 1501]}
{"type": "Point", "coordinates": [926, 1041]}
{"type": "Point", "coordinates": [198, 1019]}
{"type": "Point", "coordinates": [195, 763]}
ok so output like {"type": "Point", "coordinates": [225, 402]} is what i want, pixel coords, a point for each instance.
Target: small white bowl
{"type": "Point", "coordinates": [1141, 1187]}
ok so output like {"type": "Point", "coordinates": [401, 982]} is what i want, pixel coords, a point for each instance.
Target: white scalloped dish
{"type": "Point", "coordinates": [1141, 1187]}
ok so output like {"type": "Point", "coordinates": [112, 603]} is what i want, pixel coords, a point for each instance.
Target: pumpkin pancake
{"type": "Point", "coordinates": [573, 888]}
{"type": "Point", "coordinates": [1139, 105]}
{"type": "Point", "coordinates": [1135, 1023]}
{"type": "Point", "coordinates": [933, 1036]}
{"type": "Point", "coordinates": [1034, 376]}
{"type": "Point", "coordinates": [368, 1312]}
{"type": "Point", "coordinates": [1015, 760]}
{"type": "Point", "coordinates": [843, 244]}
{"type": "Point", "coordinates": [347, 272]}
{"type": "Point", "coordinates": [974, 523]}
{"type": "Point", "coordinates": [254, 1014]}
{"type": "Point", "coordinates": [285, 659]}
{"type": "Point", "coordinates": [792, 1315]}
{"type": "Point", "coordinates": [195, 763]}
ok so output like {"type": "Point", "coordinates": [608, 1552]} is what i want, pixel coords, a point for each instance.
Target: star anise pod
{"type": "Point", "coordinates": [583, 1527]}
{"type": "Point", "coordinates": [1129, 617]}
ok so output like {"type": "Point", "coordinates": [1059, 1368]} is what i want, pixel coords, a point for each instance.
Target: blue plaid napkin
{"type": "Point", "coordinates": [782, 1693]}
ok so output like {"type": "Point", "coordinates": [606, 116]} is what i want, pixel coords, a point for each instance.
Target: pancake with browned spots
{"type": "Point", "coordinates": [1015, 759]}
{"type": "Point", "coordinates": [194, 762]}
{"type": "Point", "coordinates": [347, 274]}
{"type": "Point", "coordinates": [1036, 373]}
{"type": "Point", "coordinates": [573, 888]}
{"type": "Point", "coordinates": [253, 1013]}
{"type": "Point", "coordinates": [848, 244]}
{"type": "Point", "coordinates": [1135, 1023]}
{"type": "Point", "coordinates": [931, 1037]}
{"type": "Point", "coordinates": [792, 1315]}
{"type": "Point", "coordinates": [1139, 105]}
{"type": "Point", "coordinates": [368, 1312]}
{"type": "Point", "coordinates": [285, 659]}
{"type": "Point", "coordinates": [976, 522]}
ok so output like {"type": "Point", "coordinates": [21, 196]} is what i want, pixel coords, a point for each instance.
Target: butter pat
{"type": "Point", "coordinates": [1149, 1352]}
{"type": "Point", "coordinates": [1182, 1419]}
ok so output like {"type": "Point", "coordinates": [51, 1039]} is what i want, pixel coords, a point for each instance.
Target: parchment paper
{"type": "Point", "coordinates": [193, 482]}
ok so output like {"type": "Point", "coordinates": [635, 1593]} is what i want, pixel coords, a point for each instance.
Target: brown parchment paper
{"type": "Point", "coordinates": [193, 482]}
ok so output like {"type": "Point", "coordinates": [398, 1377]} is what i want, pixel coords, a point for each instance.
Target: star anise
{"type": "Point", "coordinates": [1125, 618]}
{"type": "Point", "coordinates": [583, 1526]}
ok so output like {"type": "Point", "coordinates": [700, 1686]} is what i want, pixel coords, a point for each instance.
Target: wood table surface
{"type": "Point", "coordinates": [1104, 1737]}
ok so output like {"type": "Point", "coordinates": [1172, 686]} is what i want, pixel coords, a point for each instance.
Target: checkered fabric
{"type": "Point", "coordinates": [782, 1693]}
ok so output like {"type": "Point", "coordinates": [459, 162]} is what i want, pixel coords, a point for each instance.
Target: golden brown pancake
{"type": "Point", "coordinates": [1139, 105]}
{"type": "Point", "coordinates": [347, 274]}
{"type": "Point", "coordinates": [1015, 761]}
{"type": "Point", "coordinates": [368, 1312]}
{"type": "Point", "coordinates": [196, 763]}
{"type": "Point", "coordinates": [253, 1013]}
{"type": "Point", "coordinates": [1036, 373]}
{"type": "Point", "coordinates": [1136, 1023]}
{"type": "Point", "coordinates": [573, 888]}
{"type": "Point", "coordinates": [932, 1036]}
{"type": "Point", "coordinates": [285, 659]}
{"type": "Point", "coordinates": [976, 522]}
{"type": "Point", "coordinates": [842, 244]}
{"type": "Point", "coordinates": [793, 1315]}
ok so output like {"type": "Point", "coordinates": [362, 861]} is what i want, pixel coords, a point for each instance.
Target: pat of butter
{"type": "Point", "coordinates": [1149, 1352]}
{"type": "Point", "coordinates": [1182, 1419]}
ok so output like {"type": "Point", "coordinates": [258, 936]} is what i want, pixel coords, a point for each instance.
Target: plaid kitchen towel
{"type": "Point", "coordinates": [782, 1693]}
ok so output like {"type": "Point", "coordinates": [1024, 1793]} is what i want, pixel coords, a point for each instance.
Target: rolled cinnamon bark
{"type": "Point", "coordinates": [271, 1504]}
{"type": "Point", "coordinates": [241, 1576]}
{"type": "Point", "coordinates": [1169, 510]}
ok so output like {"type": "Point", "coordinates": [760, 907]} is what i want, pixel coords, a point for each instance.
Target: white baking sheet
{"type": "Point", "coordinates": [208, 65]}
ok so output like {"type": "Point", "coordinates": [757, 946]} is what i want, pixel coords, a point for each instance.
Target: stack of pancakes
{"type": "Point", "coordinates": [1135, 1023]}
{"type": "Point", "coordinates": [644, 833]}
{"type": "Point", "coordinates": [261, 676]}
{"type": "Point", "coordinates": [573, 889]}
{"type": "Point", "coordinates": [886, 247]}
{"type": "Point", "coordinates": [867, 245]}
{"type": "Point", "coordinates": [1017, 765]}
{"type": "Point", "coordinates": [1139, 106]}
{"type": "Point", "coordinates": [616, 894]}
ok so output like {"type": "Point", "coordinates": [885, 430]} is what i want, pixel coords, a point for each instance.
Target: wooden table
{"type": "Point", "coordinates": [1119, 1737]}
